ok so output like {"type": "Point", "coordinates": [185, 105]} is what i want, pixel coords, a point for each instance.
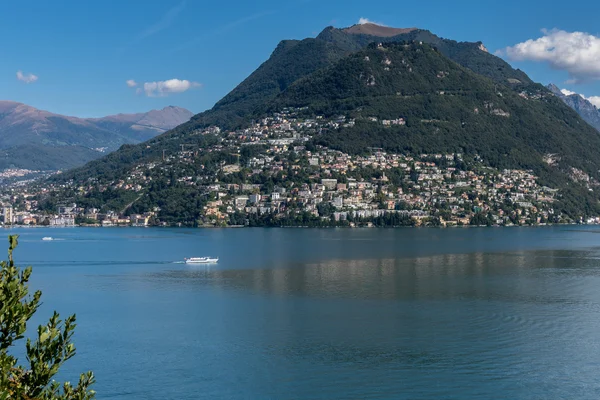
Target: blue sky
{"type": "Point", "coordinates": [75, 57]}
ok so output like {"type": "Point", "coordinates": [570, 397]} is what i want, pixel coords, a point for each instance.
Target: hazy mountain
{"type": "Point", "coordinates": [587, 110]}
{"type": "Point", "coordinates": [143, 126]}
{"type": "Point", "coordinates": [38, 139]}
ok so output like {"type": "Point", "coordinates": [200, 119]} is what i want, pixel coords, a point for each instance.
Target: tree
{"type": "Point", "coordinates": [46, 354]}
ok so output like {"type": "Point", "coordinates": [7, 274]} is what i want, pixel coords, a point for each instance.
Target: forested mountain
{"type": "Point", "coordinates": [447, 109]}
{"type": "Point", "coordinates": [295, 59]}
{"type": "Point", "coordinates": [452, 98]}
{"type": "Point", "coordinates": [37, 139]}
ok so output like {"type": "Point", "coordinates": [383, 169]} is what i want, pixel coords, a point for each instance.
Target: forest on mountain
{"type": "Point", "coordinates": [453, 98]}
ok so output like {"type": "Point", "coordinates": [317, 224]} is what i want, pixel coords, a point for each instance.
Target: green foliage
{"type": "Point", "coordinates": [116, 164]}
{"type": "Point", "coordinates": [80, 220]}
{"type": "Point", "coordinates": [435, 122]}
{"type": "Point", "coordinates": [46, 157]}
{"type": "Point", "coordinates": [481, 219]}
{"type": "Point", "coordinates": [45, 355]}
{"type": "Point", "coordinates": [389, 220]}
{"type": "Point", "coordinates": [178, 203]}
{"type": "Point", "coordinates": [467, 54]}
{"type": "Point", "coordinates": [290, 61]}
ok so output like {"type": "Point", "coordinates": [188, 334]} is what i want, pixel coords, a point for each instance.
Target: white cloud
{"type": "Point", "coordinates": [595, 100]}
{"type": "Point", "coordinates": [164, 88]}
{"type": "Point", "coordinates": [577, 53]}
{"type": "Point", "coordinates": [363, 21]}
{"type": "Point", "coordinates": [27, 78]}
{"type": "Point", "coordinates": [131, 83]}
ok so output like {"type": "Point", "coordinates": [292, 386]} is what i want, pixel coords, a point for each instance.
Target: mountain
{"type": "Point", "coordinates": [584, 108]}
{"type": "Point", "coordinates": [447, 108]}
{"type": "Point", "coordinates": [143, 126]}
{"type": "Point", "coordinates": [472, 55]}
{"type": "Point", "coordinates": [37, 139]}
{"type": "Point", "coordinates": [293, 59]}
{"type": "Point", "coordinates": [453, 97]}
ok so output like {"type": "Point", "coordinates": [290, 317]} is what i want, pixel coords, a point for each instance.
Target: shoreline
{"type": "Point", "coordinates": [297, 227]}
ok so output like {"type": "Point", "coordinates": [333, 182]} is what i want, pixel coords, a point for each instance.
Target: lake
{"type": "Point", "coordinates": [474, 313]}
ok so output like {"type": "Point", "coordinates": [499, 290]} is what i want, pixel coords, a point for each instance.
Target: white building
{"type": "Point", "coordinates": [338, 202]}
{"type": "Point", "coordinates": [62, 220]}
{"type": "Point", "coordinates": [8, 214]}
{"type": "Point", "coordinates": [329, 183]}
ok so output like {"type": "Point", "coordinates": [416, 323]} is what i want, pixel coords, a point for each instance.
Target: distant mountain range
{"type": "Point", "coordinates": [41, 140]}
{"type": "Point", "coordinates": [584, 108]}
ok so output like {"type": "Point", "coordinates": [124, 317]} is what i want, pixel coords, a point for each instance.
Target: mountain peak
{"type": "Point", "coordinates": [166, 118]}
{"type": "Point", "coordinates": [554, 89]}
{"type": "Point", "coordinates": [176, 109]}
{"type": "Point", "coordinates": [372, 29]}
{"type": "Point", "coordinates": [6, 105]}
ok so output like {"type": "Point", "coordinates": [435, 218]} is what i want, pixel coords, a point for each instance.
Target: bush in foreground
{"type": "Point", "coordinates": [49, 350]}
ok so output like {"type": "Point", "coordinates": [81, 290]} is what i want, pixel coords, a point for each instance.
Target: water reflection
{"type": "Point", "coordinates": [475, 275]}
{"type": "Point", "coordinates": [463, 314]}
{"type": "Point", "coordinates": [385, 325]}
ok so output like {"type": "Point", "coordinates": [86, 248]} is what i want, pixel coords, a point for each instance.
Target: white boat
{"type": "Point", "coordinates": [48, 238]}
{"type": "Point", "coordinates": [201, 260]}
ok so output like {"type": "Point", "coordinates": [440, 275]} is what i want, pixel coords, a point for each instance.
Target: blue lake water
{"type": "Point", "coordinates": [507, 313]}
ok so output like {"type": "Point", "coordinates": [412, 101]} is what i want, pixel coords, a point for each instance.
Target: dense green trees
{"type": "Point", "coordinates": [45, 157]}
{"type": "Point", "coordinates": [46, 353]}
{"type": "Point", "coordinates": [464, 119]}
{"type": "Point", "coordinates": [481, 219]}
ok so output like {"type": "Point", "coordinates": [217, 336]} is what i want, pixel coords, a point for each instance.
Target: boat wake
{"type": "Point", "coordinates": [99, 263]}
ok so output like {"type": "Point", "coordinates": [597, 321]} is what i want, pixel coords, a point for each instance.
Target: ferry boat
{"type": "Point", "coordinates": [48, 238]}
{"type": "Point", "coordinates": [201, 260]}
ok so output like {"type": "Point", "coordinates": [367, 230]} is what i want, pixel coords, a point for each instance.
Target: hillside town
{"type": "Point", "coordinates": [278, 175]}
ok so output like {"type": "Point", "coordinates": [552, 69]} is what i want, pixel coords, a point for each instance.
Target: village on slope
{"type": "Point", "coordinates": [318, 186]}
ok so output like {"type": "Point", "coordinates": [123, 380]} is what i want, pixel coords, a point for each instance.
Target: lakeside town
{"type": "Point", "coordinates": [278, 175]}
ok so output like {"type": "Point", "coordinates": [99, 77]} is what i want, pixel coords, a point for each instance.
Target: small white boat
{"type": "Point", "coordinates": [47, 238]}
{"type": "Point", "coordinates": [201, 260]}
